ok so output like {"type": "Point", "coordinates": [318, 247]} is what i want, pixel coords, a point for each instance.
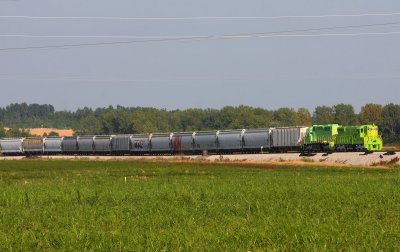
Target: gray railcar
{"type": "Point", "coordinates": [52, 145]}
{"type": "Point", "coordinates": [102, 144]}
{"type": "Point", "coordinates": [32, 145]}
{"type": "Point", "coordinates": [205, 141]}
{"type": "Point", "coordinates": [85, 144]}
{"type": "Point", "coordinates": [161, 143]}
{"type": "Point", "coordinates": [11, 146]}
{"type": "Point", "coordinates": [256, 140]}
{"type": "Point", "coordinates": [182, 142]}
{"type": "Point", "coordinates": [70, 145]}
{"type": "Point", "coordinates": [121, 144]}
{"type": "Point", "coordinates": [230, 140]}
{"type": "Point", "coordinates": [140, 144]}
{"type": "Point", "coordinates": [287, 138]}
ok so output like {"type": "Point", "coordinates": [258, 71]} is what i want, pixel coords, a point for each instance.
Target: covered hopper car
{"type": "Point", "coordinates": [32, 146]}
{"type": "Point", "coordinates": [52, 145]}
{"type": "Point", "coordinates": [11, 146]}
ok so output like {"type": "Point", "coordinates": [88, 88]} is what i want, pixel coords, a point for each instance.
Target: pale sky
{"type": "Point", "coordinates": [269, 72]}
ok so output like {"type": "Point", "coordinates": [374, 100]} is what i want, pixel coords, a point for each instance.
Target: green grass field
{"type": "Point", "coordinates": [88, 205]}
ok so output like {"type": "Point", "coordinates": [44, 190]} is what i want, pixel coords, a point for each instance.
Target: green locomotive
{"type": "Point", "coordinates": [321, 138]}
{"type": "Point", "coordinates": [358, 138]}
{"type": "Point", "coordinates": [334, 137]}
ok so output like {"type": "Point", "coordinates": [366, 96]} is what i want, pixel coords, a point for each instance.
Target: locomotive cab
{"type": "Point", "coordinates": [372, 139]}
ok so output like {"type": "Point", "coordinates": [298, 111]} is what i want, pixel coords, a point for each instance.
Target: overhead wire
{"type": "Point", "coordinates": [197, 18]}
{"type": "Point", "coordinates": [286, 33]}
{"type": "Point", "coordinates": [87, 45]}
{"type": "Point", "coordinates": [202, 36]}
{"type": "Point", "coordinates": [184, 78]}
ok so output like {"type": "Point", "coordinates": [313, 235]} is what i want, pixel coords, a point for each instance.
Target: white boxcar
{"type": "Point", "coordinates": [102, 144]}
{"type": "Point", "coordinates": [182, 142]}
{"type": "Point", "coordinates": [287, 138]}
{"type": "Point", "coordinates": [121, 144]}
{"type": "Point", "coordinates": [161, 143]}
{"type": "Point", "coordinates": [205, 141]}
{"type": "Point", "coordinates": [85, 144]}
{"type": "Point", "coordinates": [11, 146]}
{"type": "Point", "coordinates": [140, 144]}
{"type": "Point", "coordinates": [52, 145]}
{"type": "Point", "coordinates": [256, 140]}
{"type": "Point", "coordinates": [230, 140]}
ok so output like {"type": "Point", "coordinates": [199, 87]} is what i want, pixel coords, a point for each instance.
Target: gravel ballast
{"type": "Point", "coordinates": [348, 158]}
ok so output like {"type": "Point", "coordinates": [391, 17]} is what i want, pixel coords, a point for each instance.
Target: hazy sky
{"type": "Point", "coordinates": [303, 71]}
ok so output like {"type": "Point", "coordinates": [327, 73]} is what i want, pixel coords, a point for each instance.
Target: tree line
{"type": "Point", "coordinates": [124, 120]}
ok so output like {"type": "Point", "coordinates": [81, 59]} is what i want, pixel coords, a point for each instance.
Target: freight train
{"type": "Point", "coordinates": [318, 138]}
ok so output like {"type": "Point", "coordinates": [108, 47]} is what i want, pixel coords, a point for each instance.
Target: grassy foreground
{"type": "Point", "coordinates": [89, 205]}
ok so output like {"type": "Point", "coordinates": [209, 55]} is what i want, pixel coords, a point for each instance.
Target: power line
{"type": "Point", "coordinates": [289, 33]}
{"type": "Point", "coordinates": [92, 36]}
{"type": "Point", "coordinates": [204, 36]}
{"type": "Point", "coordinates": [199, 18]}
{"type": "Point", "coordinates": [157, 78]}
{"type": "Point", "coordinates": [186, 39]}
{"type": "Point", "coordinates": [96, 36]}
{"type": "Point", "coordinates": [87, 45]}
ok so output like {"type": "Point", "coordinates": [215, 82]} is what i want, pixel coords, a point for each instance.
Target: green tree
{"type": "Point", "coordinates": [235, 117]}
{"type": "Point", "coordinates": [188, 120]}
{"type": "Point", "coordinates": [2, 131]}
{"type": "Point", "coordinates": [323, 115]}
{"type": "Point", "coordinates": [210, 120]}
{"type": "Point", "coordinates": [304, 117]}
{"type": "Point", "coordinates": [286, 117]}
{"type": "Point", "coordinates": [24, 115]}
{"type": "Point", "coordinates": [226, 117]}
{"type": "Point", "coordinates": [249, 117]}
{"type": "Point", "coordinates": [391, 122]}
{"type": "Point", "coordinates": [63, 120]}
{"type": "Point", "coordinates": [116, 122]}
{"type": "Point", "coordinates": [150, 120]}
{"type": "Point", "coordinates": [88, 126]}
{"type": "Point", "coordinates": [83, 113]}
{"type": "Point", "coordinates": [344, 114]}
{"type": "Point", "coordinates": [15, 132]}
{"type": "Point", "coordinates": [371, 113]}
{"type": "Point", "coordinates": [54, 134]}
